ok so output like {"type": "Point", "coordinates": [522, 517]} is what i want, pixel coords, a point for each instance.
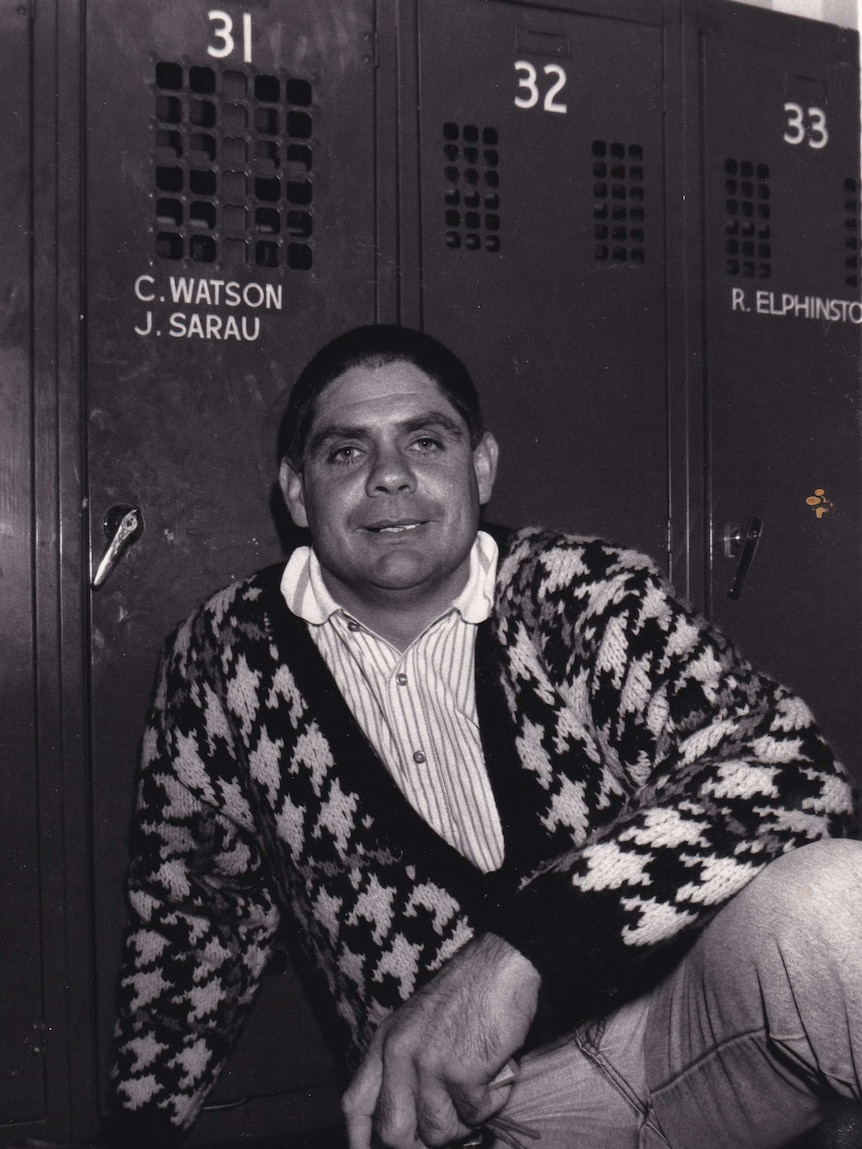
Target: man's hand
{"type": "Point", "coordinates": [427, 1076]}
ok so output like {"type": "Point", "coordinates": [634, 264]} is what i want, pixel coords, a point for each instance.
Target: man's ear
{"type": "Point", "coordinates": [293, 490]}
{"type": "Point", "coordinates": [485, 457]}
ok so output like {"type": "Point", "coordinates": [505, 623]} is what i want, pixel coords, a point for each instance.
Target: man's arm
{"type": "Point", "coordinates": [201, 918]}
{"type": "Point", "coordinates": [428, 1076]}
{"type": "Point", "coordinates": [732, 771]}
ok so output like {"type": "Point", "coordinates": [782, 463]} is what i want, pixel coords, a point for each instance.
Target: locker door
{"type": "Point", "coordinates": [230, 231]}
{"type": "Point", "coordinates": [541, 253]}
{"type": "Point", "coordinates": [780, 167]}
{"type": "Point", "coordinates": [22, 1084]}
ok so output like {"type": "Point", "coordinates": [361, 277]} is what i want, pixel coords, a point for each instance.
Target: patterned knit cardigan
{"type": "Point", "coordinates": [643, 772]}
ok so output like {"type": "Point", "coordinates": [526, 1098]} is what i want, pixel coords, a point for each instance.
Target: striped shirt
{"type": "Point", "coordinates": [416, 707]}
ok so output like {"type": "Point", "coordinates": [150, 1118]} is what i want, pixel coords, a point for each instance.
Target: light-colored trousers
{"type": "Point", "coordinates": [737, 1047]}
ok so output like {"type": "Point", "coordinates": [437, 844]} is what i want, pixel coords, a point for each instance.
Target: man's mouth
{"type": "Point", "coordinates": [395, 528]}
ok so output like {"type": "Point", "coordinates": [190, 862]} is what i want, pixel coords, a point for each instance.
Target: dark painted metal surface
{"type": "Point", "coordinates": [230, 208]}
{"type": "Point", "coordinates": [22, 1086]}
{"type": "Point", "coordinates": [780, 179]}
{"type": "Point", "coordinates": [543, 251]}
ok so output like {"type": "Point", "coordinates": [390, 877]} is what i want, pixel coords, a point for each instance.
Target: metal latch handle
{"type": "Point", "coordinates": [123, 525]}
{"type": "Point", "coordinates": [750, 543]}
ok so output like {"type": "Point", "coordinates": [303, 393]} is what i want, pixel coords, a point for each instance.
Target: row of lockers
{"type": "Point", "coordinates": [637, 221]}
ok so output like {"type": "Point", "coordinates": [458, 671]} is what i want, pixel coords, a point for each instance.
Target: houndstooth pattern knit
{"type": "Point", "coordinates": [643, 772]}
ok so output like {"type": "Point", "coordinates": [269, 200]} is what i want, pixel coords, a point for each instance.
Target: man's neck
{"type": "Point", "coordinates": [399, 615]}
{"type": "Point", "coordinates": [398, 629]}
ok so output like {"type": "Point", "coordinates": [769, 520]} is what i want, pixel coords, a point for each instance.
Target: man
{"type": "Point", "coordinates": [537, 823]}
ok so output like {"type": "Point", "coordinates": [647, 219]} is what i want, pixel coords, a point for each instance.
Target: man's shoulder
{"type": "Point", "coordinates": [236, 610]}
{"type": "Point", "coordinates": [563, 558]}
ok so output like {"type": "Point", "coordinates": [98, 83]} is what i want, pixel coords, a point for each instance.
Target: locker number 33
{"type": "Point", "coordinates": [528, 86]}
{"type": "Point", "coordinates": [805, 123]}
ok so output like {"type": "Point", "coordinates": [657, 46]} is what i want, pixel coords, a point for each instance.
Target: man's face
{"type": "Point", "coordinates": [390, 487]}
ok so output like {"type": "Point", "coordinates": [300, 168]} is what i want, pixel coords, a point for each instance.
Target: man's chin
{"type": "Point", "coordinates": [403, 571]}
{"type": "Point", "coordinates": [397, 574]}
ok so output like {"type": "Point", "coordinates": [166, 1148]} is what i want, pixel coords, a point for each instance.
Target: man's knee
{"type": "Point", "coordinates": [763, 1013]}
{"type": "Point", "coordinates": [807, 901]}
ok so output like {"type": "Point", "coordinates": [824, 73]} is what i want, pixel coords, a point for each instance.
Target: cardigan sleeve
{"type": "Point", "coordinates": [725, 770]}
{"type": "Point", "coordinates": [202, 920]}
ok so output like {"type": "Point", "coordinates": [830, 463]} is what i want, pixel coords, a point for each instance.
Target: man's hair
{"type": "Point", "coordinates": [375, 346]}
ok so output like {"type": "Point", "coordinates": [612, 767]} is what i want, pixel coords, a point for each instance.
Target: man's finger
{"type": "Point", "coordinates": [437, 1118]}
{"type": "Point", "coordinates": [447, 1111]}
{"type": "Point", "coordinates": [475, 1102]}
{"type": "Point", "coordinates": [360, 1127]}
{"type": "Point", "coordinates": [395, 1121]}
{"type": "Point", "coordinates": [360, 1099]}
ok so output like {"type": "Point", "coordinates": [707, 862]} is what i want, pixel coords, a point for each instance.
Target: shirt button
{"type": "Point", "coordinates": [353, 625]}
{"type": "Point", "coordinates": [418, 756]}
{"type": "Point", "coordinates": [401, 679]}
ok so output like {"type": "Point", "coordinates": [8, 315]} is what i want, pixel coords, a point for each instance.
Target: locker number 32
{"type": "Point", "coordinates": [806, 123]}
{"type": "Point", "coordinates": [528, 86]}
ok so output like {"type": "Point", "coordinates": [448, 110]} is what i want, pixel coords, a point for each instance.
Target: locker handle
{"type": "Point", "coordinates": [753, 533]}
{"type": "Point", "coordinates": [123, 526]}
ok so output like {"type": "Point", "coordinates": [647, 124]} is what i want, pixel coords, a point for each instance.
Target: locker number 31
{"type": "Point", "coordinates": [528, 86]}
{"type": "Point", "coordinates": [806, 123]}
{"type": "Point", "coordinates": [223, 34]}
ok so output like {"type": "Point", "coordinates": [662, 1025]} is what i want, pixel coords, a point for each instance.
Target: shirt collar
{"type": "Point", "coordinates": [307, 596]}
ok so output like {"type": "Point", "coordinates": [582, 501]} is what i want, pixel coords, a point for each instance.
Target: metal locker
{"type": "Point", "coordinates": [778, 167]}
{"type": "Point", "coordinates": [539, 249]}
{"type": "Point", "coordinates": [230, 229]}
{"type": "Point", "coordinates": [22, 1085]}
{"type": "Point", "coordinates": [556, 213]}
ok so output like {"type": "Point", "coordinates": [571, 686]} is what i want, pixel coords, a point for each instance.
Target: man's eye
{"type": "Point", "coordinates": [346, 454]}
{"type": "Point", "coordinates": [426, 445]}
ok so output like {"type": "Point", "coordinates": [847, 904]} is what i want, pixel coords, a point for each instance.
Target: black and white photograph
{"type": "Point", "coordinates": [430, 574]}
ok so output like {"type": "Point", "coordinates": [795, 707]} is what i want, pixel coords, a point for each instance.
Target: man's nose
{"type": "Point", "coordinates": [390, 474]}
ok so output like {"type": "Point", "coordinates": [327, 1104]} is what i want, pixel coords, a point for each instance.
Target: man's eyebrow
{"type": "Point", "coordinates": [426, 419]}
{"type": "Point", "coordinates": [433, 419]}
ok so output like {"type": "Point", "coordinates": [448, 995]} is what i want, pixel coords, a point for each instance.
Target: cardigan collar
{"type": "Point", "coordinates": [365, 772]}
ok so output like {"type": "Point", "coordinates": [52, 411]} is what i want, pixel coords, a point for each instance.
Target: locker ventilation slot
{"type": "Point", "coordinates": [472, 187]}
{"type": "Point", "coordinates": [851, 232]}
{"type": "Point", "coordinates": [232, 168]}
{"type": "Point", "coordinates": [618, 202]}
{"type": "Point", "coordinates": [748, 230]}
